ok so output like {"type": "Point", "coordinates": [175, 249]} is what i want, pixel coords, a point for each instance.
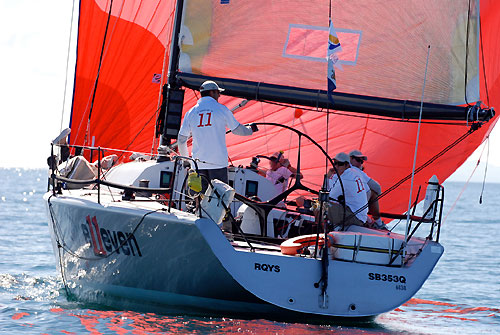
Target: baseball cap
{"type": "Point", "coordinates": [358, 154]}
{"type": "Point", "coordinates": [342, 157]}
{"type": "Point", "coordinates": [210, 85]}
{"type": "Point", "coordinates": [276, 156]}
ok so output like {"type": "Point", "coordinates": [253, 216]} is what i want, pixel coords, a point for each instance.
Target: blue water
{"type": "Point", "coordinates": [462, 295]}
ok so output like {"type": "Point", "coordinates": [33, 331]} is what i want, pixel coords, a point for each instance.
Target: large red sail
{"type": "Point", "coordinates": [282, 42]}
{"type": "Point", "coordinates": [126, 98]}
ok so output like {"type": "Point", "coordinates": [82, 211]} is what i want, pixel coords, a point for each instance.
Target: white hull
{"type": "Point", "coordinates": [179, 261]}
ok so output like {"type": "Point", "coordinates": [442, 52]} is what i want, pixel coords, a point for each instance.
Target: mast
{"type": "Point", "coordinates": [173, 63]}
{"type": "Point", "coordinates": [169, 118]}
{"type": "Point", "coordinates": [401, 109]}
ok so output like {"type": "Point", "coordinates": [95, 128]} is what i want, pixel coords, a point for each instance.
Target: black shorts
{"type": "Point", "coordinates": [212, 174]}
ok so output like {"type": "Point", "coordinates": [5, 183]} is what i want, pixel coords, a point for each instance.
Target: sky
{"type": "Point", "coordinates": [34, 38]}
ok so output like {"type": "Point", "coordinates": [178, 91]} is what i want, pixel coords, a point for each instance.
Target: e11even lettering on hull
{"type": "Point", "coordinates": [104, 241]}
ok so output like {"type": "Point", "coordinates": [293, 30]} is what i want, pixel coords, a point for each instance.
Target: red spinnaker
{"type": "Point", "coordinates": [126, 100]}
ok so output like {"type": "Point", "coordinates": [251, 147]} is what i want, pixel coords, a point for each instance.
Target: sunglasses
{"type": "Point", "coordinates": [359, 160]}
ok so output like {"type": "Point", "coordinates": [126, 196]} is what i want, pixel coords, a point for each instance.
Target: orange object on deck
{"type": "Point", "coordinates": [294, 245]}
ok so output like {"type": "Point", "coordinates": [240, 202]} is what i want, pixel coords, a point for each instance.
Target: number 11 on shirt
{"type": "Point", "coordinates": [208, 124]}
{"type": "Point", "coordinates": [360, 185]}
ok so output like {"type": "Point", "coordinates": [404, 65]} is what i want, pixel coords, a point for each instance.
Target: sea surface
{"type": "Point", "coordinates": [462, 295]}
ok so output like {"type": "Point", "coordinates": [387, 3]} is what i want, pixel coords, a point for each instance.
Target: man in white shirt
{"type": "Point", "coordinates": [354, 193]}
{"type": "Point", "coordinates": [206, 122]}
{"type": "Point", "coordinates": [280, 171]}
{"type": "Point", "coordinates": [357, 159]}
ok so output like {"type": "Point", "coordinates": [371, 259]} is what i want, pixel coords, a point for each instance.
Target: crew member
{"type": "Point", "coordinates": [206, 122]}
{"type": "Point", "coordinates": [354, 194]}
{"type": "Point", "coordinates": [279, 171]}
{"type": "Point", "coordinates": [357, 159]}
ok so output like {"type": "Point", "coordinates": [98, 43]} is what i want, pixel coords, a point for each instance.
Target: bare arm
{"type": "Point", "coordinates": [241, 130]}
{"type": "Point", "coordinates": [374, 186]}
{"type": "Point", "coordinates": [286, 163]}
{"type": "Point", "coordinates": [182, 145]}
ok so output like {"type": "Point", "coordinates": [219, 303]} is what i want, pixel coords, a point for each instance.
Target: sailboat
{"type": "Point", "coordinates": [135, 232]}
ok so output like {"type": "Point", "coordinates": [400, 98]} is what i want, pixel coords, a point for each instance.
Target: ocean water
{"type": "Point", "coordinates": [462, 295]}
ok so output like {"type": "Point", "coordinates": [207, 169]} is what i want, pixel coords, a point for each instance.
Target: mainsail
{"type": "Point", "coordinates": [283, 43]}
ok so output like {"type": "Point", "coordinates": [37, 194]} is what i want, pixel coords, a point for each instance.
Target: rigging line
{"type": "Point", "coordinates": [100, 59]}
{"type": "Point", "coordinates": [111, 149]}
{"type": "Point", "coordinates": [464, 187]}
{"type": "Point", "coordinates": [430, 161]}
{"type": "Point", "coordinates": [133, 140]}
{"type": "Point", "coordinates": [140, 131]}
{"type": "Point", "coordinates": [327, 109]}
{"type": "Point", "coordinates": [290, 139]}
{"type": "Point", "coordinates": [327, 137]}
{"type": "Point", "coordinates": [317, 100]}
{"type": "Point", "coordinates": [99, 68]}
{"type": "Point", "coordinates": [420, 168]}
{"type": "Point", "coordinates": [485, 170]}
{"type": "Point", "coordinates": [381, 118]}
{"type": "Point", "coordinates": [67, 64]}
{"type": "Point", "coordinates": [416, 147]}
{"type": "Point", "coordinates": [291, 134]}
{"type": "Point", "coordinates": [482, 57]}
{"type": "Point", "coordinates": [265, 131]}
{"type": "Point", "coordinates": [63, 276]}
{"type": "Point", "coordinates": [88, 101]}
{"type": "Point", "coordinates": [195, 92]}
{"type": "Point", "coordinates": [59, 246]}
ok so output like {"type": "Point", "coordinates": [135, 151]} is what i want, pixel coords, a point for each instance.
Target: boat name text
{"type": "Point", "coordinates": [104, 240]}
{"type": "Point", "coordinates": [389, 278]}
{"type": "Point", "coordinates": [267, 267]}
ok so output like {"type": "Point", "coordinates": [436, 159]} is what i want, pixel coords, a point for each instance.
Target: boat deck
{"type": "Point", "coordinates": [254, 243]}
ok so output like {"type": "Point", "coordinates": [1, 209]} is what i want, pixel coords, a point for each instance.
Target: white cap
{"type": "Point", "coordinates": [342, 157]}
{"type": "Point", "coordinates": [358, 154]}
{"type": "Point", "coordinates": [210, 85]}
